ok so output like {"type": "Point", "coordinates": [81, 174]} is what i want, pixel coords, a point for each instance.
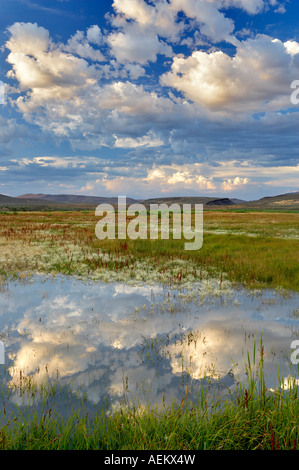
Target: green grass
{"type": "Point", "coordinates": [259, 250]}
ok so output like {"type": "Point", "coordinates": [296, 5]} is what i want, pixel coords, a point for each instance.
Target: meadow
{"type": "Point", "coordinates": [255, 249]}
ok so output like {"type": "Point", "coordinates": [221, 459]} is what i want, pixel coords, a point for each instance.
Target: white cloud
{"type": "Point", "coordinates": [250, 6]}
{"type": "Point", "coordinates": [139, 26]}
{"type": "Point", "coordinates": [134, 100]}
{"type": "Point", "coordinates": [205, 183]}
{"type": "Point", "coordinates": [167, 178]}
{"type": "Point", "coordinates": [38, 64]}
{"type": "Point", "coordinates": [212, 22]}
{"type": "Point", "coordinates": [231, 184]}
{"type": "Point", "coordinates": [26, 37]}
{"type": "Point", "coordinates": [133, 18]}
{"type": "Point", "coordinates": [136, 45]}
{"type": "Point", "coordinates": [63, 93]}
{"type": "Point", "coordinates": [71, 99]}
{"type": "Point", "coordinates": [258, 77]}
{"type": "Point", "coordinates": [135, 71]}
{"type": "Point", "coordinates": [159, 17]}
{"type": "Point", "coordinates": [200, 179]}
{"type": "Point", "coordinates": [149, 140]}
{"type": "Point", "coordinates": [94, 35]}
{"type": "Point", "coordinates": [292, 47]}
{"type": "Point", "coordinates": [79, 45]}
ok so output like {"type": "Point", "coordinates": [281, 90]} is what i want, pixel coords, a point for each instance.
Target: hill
{"type": "Point", "coordinates": [189, 200]}
{"type": "Point", "coordinates": [289, 201]}
{"type": "Point", "coordinates": [74, 199]}
{"type": "Point", "coordinates": [8, 202]}
{"type": "Point", "coordinates": [93, 201]}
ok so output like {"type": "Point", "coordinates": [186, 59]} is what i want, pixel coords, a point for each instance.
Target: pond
{"type": "Point", "coordinates": [114, 343]}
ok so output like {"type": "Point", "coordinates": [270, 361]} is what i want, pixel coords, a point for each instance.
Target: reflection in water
{"type": "Point", "coordinates": [145, 343]}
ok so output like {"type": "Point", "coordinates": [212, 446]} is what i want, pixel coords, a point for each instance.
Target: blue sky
{"type": "Point", "coordinates": [149, 98]}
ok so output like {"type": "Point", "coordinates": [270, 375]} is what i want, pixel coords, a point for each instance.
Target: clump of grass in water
{"type": "Point", "coordinates": [257, 419]}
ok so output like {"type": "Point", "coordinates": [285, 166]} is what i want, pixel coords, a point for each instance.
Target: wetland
{"type": "Point", "coordinates": [107, 325]}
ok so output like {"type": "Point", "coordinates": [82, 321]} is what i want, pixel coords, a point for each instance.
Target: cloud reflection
{"type": "Point", "coordinates": [138, 342]}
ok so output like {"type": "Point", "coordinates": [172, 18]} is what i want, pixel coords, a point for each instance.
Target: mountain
{"type": "Point", "coordinates": [75, 199]}
{"type": "Point", "coordinates": [288, 201]}
{"type": "Point", "coordinates": [282, 201]}
{"type": "Point", "coordinates": [237, 201]}
{"type": "Point", "coordinates": [15, 202]}
{"type": "Point", "coordinates": [221, 202]}
{"type": "Point", "coordinates": [188, 200]}
{"type": "Point", "coordinates": [93, 201]}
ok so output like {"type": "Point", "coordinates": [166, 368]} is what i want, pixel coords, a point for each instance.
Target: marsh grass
{"type": "Point", "coordinates": [256, 249]}
{"type": "Point", "coordinates": [255, 418]}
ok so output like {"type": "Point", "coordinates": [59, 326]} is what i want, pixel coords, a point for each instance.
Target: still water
{"type": "Point", "coordinates": [115, 343]}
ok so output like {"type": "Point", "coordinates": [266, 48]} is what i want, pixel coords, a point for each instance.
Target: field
{"type": "Point", "coordinates": [258, 249]}
{"type": "Point", "coordinates": [255, 249]}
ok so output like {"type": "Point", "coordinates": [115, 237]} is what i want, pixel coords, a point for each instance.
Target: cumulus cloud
{"type": "Point", "coordinates": [257, 78]}
{"type": "Point", "coordinates": [213, 23]}
{"type": "Point", "coordinates": [37, 63]}
{"type": "Point", "coordinates": [167, 178]}
{"type": "Point", "coordinates": [94, 176]}
{"type": "Point", "coordinates": [143, 30]}
{"type": "Point", "coordinates": [94, 35]}
{"type": "Point", "coordinates": [160, 19]}
{"type": "Point", "coordinates": [292, 47]}
{"type": "Point", "coordinates": [135, 45]}
{"type": "Point", "coordinates": [63, 93]}
{"type": "Point", "coordinates": [231, 184]}
{"type": "Point", "coordinates": [198, 179]}
{"type": "Point", "coordinates": [79, 45]}
{"type": "Point", "coordinates": [98, 91]}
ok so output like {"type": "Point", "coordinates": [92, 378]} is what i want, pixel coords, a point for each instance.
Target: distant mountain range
{"type": "Point", "coordinates": [72, 198]}
{"type": "Point", "coordinates": [73, 201]}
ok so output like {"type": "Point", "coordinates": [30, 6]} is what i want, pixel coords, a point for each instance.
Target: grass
{"type": "Point", "coordinates": [259, 250]}
{"type": "Point", "coordinates": [256, 419]}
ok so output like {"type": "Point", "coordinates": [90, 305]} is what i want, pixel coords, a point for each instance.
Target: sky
{"type": "Point", "coordinates": [149, 98]}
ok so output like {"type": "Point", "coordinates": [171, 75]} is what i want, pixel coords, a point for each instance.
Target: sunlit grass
{"type": "Point", "coordinates": [254, 248]}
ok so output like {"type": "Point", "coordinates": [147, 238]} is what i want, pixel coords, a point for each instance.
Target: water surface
{"type": "Point", "coordinates": [121, 343]}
